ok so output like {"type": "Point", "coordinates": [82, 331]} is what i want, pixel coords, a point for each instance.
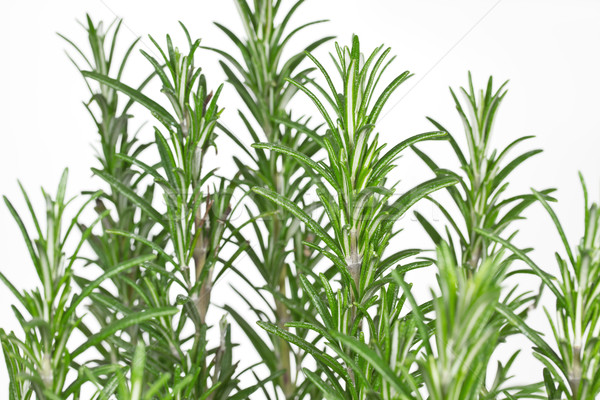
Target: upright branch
{"type": "Point", "coordinates": [189, 135]}
{"type": "Point", "coordinates": [573, 370]}
{"type": "Point", "coordinates": [483, 174]}
{"type": "Point", "coordinates": [360, 206]}
{"type": "Point", "coordinates": [352, 183]}
{"type": "Point", "coordinates": [42, 360]}
{"type": "Point", "coordinates": [260, 76]}
{"type": "Point", "coordinates": [466, 332]}
{"type": "Point", "coordinates": [198, 205]}
{"type": "Point", "coordinates": [481, 202]}
{"type": "Point", "coordinates": [110, 112]}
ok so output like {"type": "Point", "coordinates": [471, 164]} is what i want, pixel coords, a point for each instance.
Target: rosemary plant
{"type": "Point", "coordinates": [195, 225]}
{"type": "Point", "coordinates": [111, 119]}
{"type": "Point", "coordinates": [466, 333]}
{"type": "Point", "coordinates": [40, 359]}
{"type": "Point", "coordinates": [362, 213]}
{"type": "Point", "coordinates": [571, 362]}
{"type": "Point", "coordinates": [482, 204]}
{"type": "Point", "coordinates": [333, 289]}
{"type": "Point", "coordinates": [261, 82]}
{"type": "Point", "coordinates": [480, 197]}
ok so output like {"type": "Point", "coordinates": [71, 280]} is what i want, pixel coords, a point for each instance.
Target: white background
{"type": "Point", "coordinates": [548, 50]}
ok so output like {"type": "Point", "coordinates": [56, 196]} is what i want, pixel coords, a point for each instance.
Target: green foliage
{"type": "Point", "coordinates": [110, 113]}
{"type": "Point", "coordinates": [333, 291]}
{"type": "Point", "coordinates": [466, 333]}
{"type": "Point", "coordinates": [481, 201]}
{"type": "Point", "coordinates": [480, 197]}
{"type": "Point", "coordinates": [194, 224]}
{"type": "Point", "coordinates": [260, 77]}
{"type": "Point", "coordinates": [360, 208]}
{"type": "Point", "coordinates": [571, 364]}
{"type": "Point", "coordinates": [361, 213]}
{"type": "Point", "coordinates": [132, 389]}
{"type": "Point", "coordinates": [39, 360]}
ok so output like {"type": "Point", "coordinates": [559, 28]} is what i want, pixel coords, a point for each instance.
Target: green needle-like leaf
{"type": "Point", "coordinates": [160, 113]}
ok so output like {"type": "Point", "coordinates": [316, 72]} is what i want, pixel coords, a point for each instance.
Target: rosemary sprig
{"type": "Point", "coordinates": [110, 113]}
{"type": "Point", "coordinates": [362, 211]}
{"type": "Point", "coordinates": [571, 361]}
{"type": "Point", "coordinates": [481, 201]}
{"type": "Point", "coordinates": [483, 178]}
{"type": "Point", "coordinates": [466, 333]}
{"type": "Point", "coordinates": [260, 76]}
{"type": "Point", "coordinates": [40, 359]}
{"type": "Point", "coordinates": [194, 221]}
